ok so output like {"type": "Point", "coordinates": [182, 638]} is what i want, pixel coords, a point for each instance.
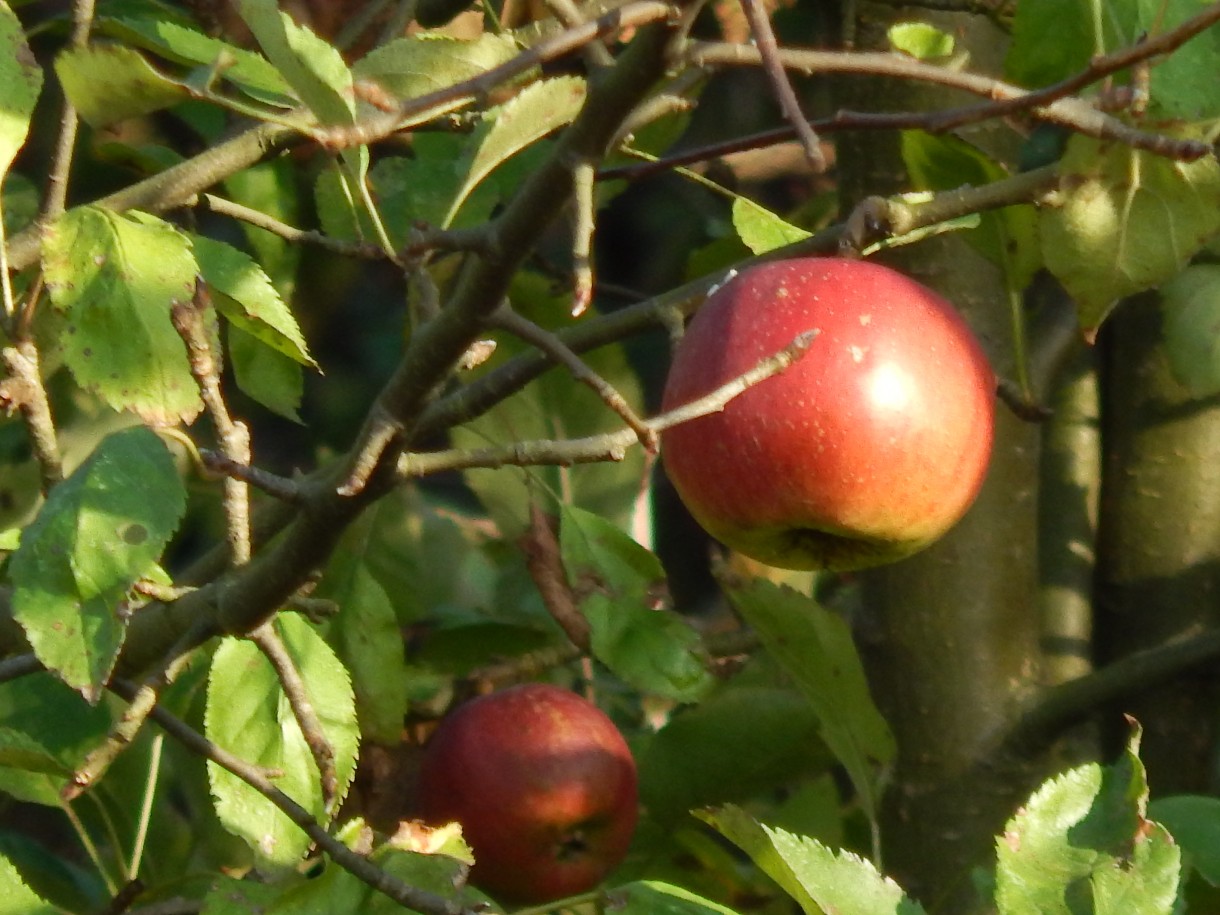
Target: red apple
{"type": "Point", "coordinates": [543, 785]}
{"type": "Point", "coordinates": [868, 448]}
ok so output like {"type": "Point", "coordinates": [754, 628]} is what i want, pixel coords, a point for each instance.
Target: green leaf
{"type": "Point", "coordinates": [1008, 237]}
{"type": "Point", "coordinates": [21, 203]}
{"type": "Point", "coordinates": [18, 899]}
{"type": "Point", "coordinates": [248, 71]}
{"type": "Point", "coordinates": [760, 229]}
{"type": "Point", "coordinates": [1051, 39]}
{"type": "Point", "coordinates": [110, 83]}
{"type": "Point", "coordinates": [424, 188]}
{"type": "Point", "coordinates": [249, 715]}
{"type": "Point", "coordinates": [1191, 318]}
{"type": "Point", "coordinates": [230, 896]}
{"type": "Point", "coordinates": [552, 407]}
{"type": "Point", "coordinates": [429, 61]}
{"type": "Point", "coordinates": [651, 897]}
{"type": "Point", "coordinates": [271, 188]}
{"type": "Point", "coordinates": [266, 375]}
{"type": "Point", "coordinates": [1194, 823]}
{"type": "Point", "coordinates": [819, 879]}
{"type": "Point", "coordinates": [920, 40]}
{"type": "Point", "coordinates": [507, 129]}
{"type": "Point", "coordinates": [1083, 840]}
{"type": "Point", "coordinates": [99, 532]}
{"type": "Point", "coordinates": [115, 278]}
{"type": "Point", "coordinates": [20, 751]}
{"type": "Point", "coordinates": [248, 299]}
{"type": "Point", "coordinates": [315, 69]}
{"type": "Point", "coordinates": [697, 759]}
{"type": "Point", "coordinates": [342, 215]}
{"type": "Point", "coordinates": [44, 716]}
{"type": "Point", "coordinates": [1128, 221]}
{"type": "Point", "coordinates": [619, 585]}
{"type": "Point", "coordinates": [368, 640]}
{"type": "Point", "coordinates": [816, 648]}
{"type": "Point", "coordinates": [20, 83]}
{"type": "Point", "coordinates": [1180, 84]}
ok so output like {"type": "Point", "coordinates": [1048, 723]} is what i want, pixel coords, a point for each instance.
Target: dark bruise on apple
{"type": "Point", "coordinates": [867, 449]}
{"type": "Point", "coordinates": [544, 786]}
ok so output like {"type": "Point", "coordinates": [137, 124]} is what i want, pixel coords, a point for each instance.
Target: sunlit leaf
{"type": "Point", "coordinates": [313, 68]}
{"type": "Point", "coordinates": [248, 299]}
{"type": "Point", "coordinates": [115, 278]}
{"type": "Point", "coordinates": [1084, 836]}
{"type": "Point", "coordinates": [920, 40]}
{"type": "Point", "coordinates": [18, 899]}
{"type": "Point", "coordinates": [20, 83]}
{"type": "Point", "coordinates": [99, 531]}
{"type": "Point", "coordinates": [819, 879]}
{"type": "Point", "coordinates": [109, 83]}
{"type": "Point", "coordinates": [1128, 221]}
{"type": "Point", "coordinates": [760, 229]}
{"type": "Point", "coordinates": [419, 64]}
{"type": "Point", "coordinates": [249, 715]}
{"type": "Point", "coordinates": [245, 69]}
{"type": "Point", "coordinates": [530, 115]}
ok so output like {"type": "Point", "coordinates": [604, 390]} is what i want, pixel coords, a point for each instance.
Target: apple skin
{"type": "Point", "coordinates": [865, 450]}
{"type": "Point", "coordinates": [544, 786]}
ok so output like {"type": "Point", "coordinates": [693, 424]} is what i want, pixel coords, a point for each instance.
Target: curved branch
{"type": "Point", "coordinates": [1132, 675]}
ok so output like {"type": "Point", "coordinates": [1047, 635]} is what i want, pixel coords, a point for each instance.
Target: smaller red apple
{"type": "Point", "coordinates": [544, 786]}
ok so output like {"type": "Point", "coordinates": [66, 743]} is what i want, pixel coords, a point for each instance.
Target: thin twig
{"type": "Point", "coordinates": [596, 54]}
{"type": "Point", "coordinates": [520, 326]}
{"type": "Point", "coordinates": [609, 446]}
{"type": "Point", "coordinates": [1073, 113]}
{"type": "Point", "coordinates": [18, 666]}
{"type": "Point", "coordinates": [289, 233]}
{"type": "Point", "coordinates": [583, 221]}
{"type": "Point", "coordinates": [65, 144]}
{"type": "Point", "coordinates": [355, 864]}
{"type": "Point", "coordinates": [272, 646]}
{"type": "Point", "coordinates": [1098, 68]}
{"type": "Point", "coordinates": [274, 485]}
{"type": "Point", "coordinates": [430, 105]}
{"type": "Point", "coordinates": [142, 702]}
{"type": "Point", "coordinates": [188, 319]}
{"type": "Point", "coordinates": [24, 391]}
{"type": "Point", "coordinates": [545, 564]}
{"type": "Point", "coordinates": [768, 50]}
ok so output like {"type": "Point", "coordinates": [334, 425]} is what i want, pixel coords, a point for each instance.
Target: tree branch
{"type": "Point", "coordinates": [1132, 675]}
{"type": "Point", "coordinates": [1047, 105]}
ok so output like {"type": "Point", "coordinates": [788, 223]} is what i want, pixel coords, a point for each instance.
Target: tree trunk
{"type": "Point", "coordinates": [1159, 558]}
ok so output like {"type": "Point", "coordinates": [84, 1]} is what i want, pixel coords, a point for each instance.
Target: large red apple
{"type": "Point", "coordinates": [868, 448]}
{"type": "Point", "coordinates": [544, 786]}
